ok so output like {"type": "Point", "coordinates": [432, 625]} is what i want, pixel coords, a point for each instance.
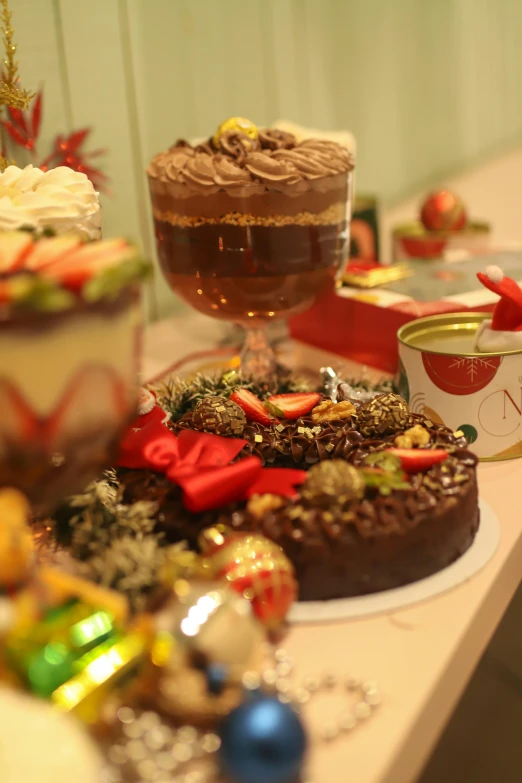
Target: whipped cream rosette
{"type": "Point", "coordinates": [503, 332]}
{"type": "Point", "coordinates": [61, 199]}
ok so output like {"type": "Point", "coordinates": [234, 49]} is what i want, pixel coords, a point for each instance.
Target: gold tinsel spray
{"type": "Point", "coordinates": [11, 94]}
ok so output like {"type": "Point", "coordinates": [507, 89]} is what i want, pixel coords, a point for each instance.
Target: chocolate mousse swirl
{"type": "Point", "coordinates": [237, 145]}
{"type": "Point", "coordinates": [314, 158]}
{"type": "Point", "coordinates": [272, 139]}
{"type": "Point", "coordinates": [167, 166]}
{"type": "Point", "coordinates": [243, 166]}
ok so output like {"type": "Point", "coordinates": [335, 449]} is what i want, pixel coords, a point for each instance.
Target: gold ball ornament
{"type": "Point", "coordinates": [383, 415]}
{"type": "Point", "coordinates": [237, 125]}
{"type": "Point", "coordinates": [333, 483]}
{"type": "Point", "coordinates": [257, 568]}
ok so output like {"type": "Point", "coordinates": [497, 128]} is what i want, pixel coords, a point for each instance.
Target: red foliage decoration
{"type": "Point", "coordinates": [23, 129]}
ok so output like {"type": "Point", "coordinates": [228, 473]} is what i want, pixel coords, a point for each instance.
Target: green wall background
{"type": "Point", "coordinates": [428, 87]}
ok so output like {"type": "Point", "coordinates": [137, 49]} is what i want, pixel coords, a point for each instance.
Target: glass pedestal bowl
{"type": "Point", "coordinates": [251, 259]}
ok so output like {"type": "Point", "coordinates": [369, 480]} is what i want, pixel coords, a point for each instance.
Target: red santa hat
{"type": "Point", "coordinates": [507, 313]}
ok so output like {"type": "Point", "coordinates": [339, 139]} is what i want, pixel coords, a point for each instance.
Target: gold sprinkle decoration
{"type": "Point", "coordinates": [329, 447]}
{"type": "Point", "coordinates": [280, 427]}
{"type": "Point", "coordinates": [458, 434]}
{"type": "Point", "coordinates": [300, 430]}
{"type": "Point", "coordinates": [258, 438]}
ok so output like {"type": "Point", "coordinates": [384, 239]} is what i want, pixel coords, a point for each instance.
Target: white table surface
{"type": "Point", "coordinates": [423, 656]}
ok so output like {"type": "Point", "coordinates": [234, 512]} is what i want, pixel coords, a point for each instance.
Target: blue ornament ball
{"type": "Point", "coordinates": [262, 741]}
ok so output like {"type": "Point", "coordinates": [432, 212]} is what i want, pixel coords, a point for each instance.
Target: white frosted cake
{"type": "Point", "coordinates": [60, 199]}
{"type": "Point", "coordinates": [69, 345]}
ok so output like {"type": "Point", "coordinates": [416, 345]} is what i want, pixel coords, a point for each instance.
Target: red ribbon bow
{"type": "Point", "coordinates": [199, 463]}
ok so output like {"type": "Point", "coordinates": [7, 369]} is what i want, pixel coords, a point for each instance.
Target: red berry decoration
{"type": "Point", "coordinates": [255, 567]}
{"type": "Point", "coordinates": [252, 406]}
{"type": "Point", "coordinates": [460, 375]}
{"type": "Point", "coordinates": [443, 211]}
{"type": "Point", "coordinates": [418, 460]}
{"type": "Point", "coordinates": [293, 406]}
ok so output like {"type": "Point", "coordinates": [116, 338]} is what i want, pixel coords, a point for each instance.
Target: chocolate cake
{"type": "Point", "coordinates": [391, 497]}
{"type": "Point", "coordinates": [250, 224]}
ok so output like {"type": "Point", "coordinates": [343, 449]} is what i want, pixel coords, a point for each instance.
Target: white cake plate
{"type": "Point", "coordinates": [480, 552]}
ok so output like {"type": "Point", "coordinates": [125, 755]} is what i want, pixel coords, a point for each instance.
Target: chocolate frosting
{"type": "Point", "coordinates": [244, 167]}
{"type": "Point", "coordinates": [372, 543]}
{"type": "Point", "coordinates": [304, 442]}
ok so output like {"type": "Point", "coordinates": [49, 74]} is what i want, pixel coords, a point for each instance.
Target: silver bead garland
{"type": "Point", "coordinates": [365, 695]}
{"type": "Point", "coordinates": [149, 750]}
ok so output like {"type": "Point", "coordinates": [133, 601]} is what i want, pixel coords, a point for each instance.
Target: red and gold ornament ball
{"type": "Point", "coordinates": [255, 567]}
{"type": "Point", "coordinates": [443, 211]}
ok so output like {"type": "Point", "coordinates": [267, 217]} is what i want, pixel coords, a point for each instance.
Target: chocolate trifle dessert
{"type": "Point", "coordinates": [250, 224]}
{"type": "Point", "coordinates": [390, 496]}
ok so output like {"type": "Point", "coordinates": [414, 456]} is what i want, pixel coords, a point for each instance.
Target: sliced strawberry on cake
{"type": "Point", "coordinates": [293, 406]}
{"type": "Point", "coordinates": [419, 460]}
{"type": "Point", "coordinates": [252, 407]}
{"type": "Point", "coordinates": [14, 248]}
{"type": "Point", "coordinates": [49, 251]}
{"type": "Point", "coordinates": [76, 268]}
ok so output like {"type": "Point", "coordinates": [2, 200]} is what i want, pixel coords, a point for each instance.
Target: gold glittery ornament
{"type": "Point", "coordinates": [11, 94]}
{"type": "Point", "coordinates": [383, 415]}
{"type": "Point", "coordinates": [238, 125]}
{"type": "Point", "coordinates": [333, 483]}
{"type": "Point", "coordinates": [220, 416]}
{"type": "Point", "coordinates": [258, 569]}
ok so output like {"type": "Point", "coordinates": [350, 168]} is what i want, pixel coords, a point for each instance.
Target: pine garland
{"type": "Point", "coordinates": [383, 385]}
{"type": "Point", "coordinates": [178, 395]}
{"type": "Point", "coordinates": [133, 566]}
{"type": "Point", "coordinates": [116, 545]}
